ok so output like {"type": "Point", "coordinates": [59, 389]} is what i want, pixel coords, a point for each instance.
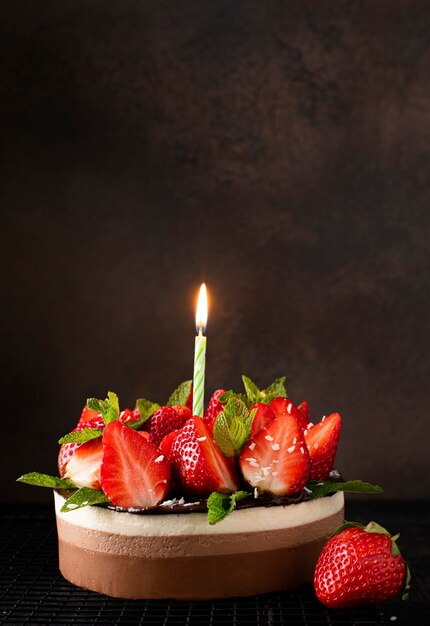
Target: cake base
{"type": "Point", "coordinates": [180, 556]}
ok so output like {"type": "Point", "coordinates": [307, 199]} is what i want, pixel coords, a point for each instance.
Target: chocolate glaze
{"type": "Point", "coordinates": [190, 506]}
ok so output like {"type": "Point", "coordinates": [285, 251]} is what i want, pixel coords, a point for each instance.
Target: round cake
{"type": "Point", "coordinates": [253, 551]}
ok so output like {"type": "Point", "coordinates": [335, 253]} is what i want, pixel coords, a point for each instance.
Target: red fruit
{"type": "Point", "coordinates": [198, 464]}
{"type": "Point", "coordinates": [134, 472]}
{"type": "Point", "coordinates": [303, 407]}
{"type": "Point", "coordinates": [282, 407]}
{"type": "Point", "coordinates": [322, 440]}
{"type": "Point", "coordinates": [184, 412]}
{"type": "Point", "coordinates": [167, 443]}
{"type": "Point", "coordinates": [358, 566]}
{"type": "Point", "coordinates": [263, 417]}
{"type": "Point", "coordinates": [67, 450]}
{"type": "Point", "coordinates": [84, 466]}
{"type": "Point", "coordinates": [127, 416]}
{"type": "Point", "coordinates": [143, 434]}
{"type": "Point", "coordinates": [214, 407]}
{"type": "Point", "coordinates": [189, 402]}
{"type": "Point", "coordinates": [277, 459]}
{"type": "Point", "coordinates": [164, 420]}
{"type": "Point", "coordinates": [87, 415]}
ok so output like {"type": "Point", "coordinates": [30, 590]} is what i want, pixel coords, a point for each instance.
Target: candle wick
{"type": "Point", "coordinates": [200, 331]}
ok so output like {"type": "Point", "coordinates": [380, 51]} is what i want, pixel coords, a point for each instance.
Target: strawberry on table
{"type": "Point", "coordinates": [283, 407]}
{"type": "Point", "coordinates": [359, 565]}
{"type": "Point", "coordinates": [199, 466]}
{"type": "Point", "coordinates": [134, 472]}
{"type": "Point", "coordinates": [276, 460]}
{"type": "Point", "coordinates": [263, 417]}
{"type": "Point", "coordinates": [166, 419]}
{"type": "Point", "coordinates": [322, 440]}
{"type": "Point", "coordinates": [214, 407]}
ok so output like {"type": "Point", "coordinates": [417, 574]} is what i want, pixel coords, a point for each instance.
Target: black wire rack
{"type": "Point", "coordinates": [32, 591]}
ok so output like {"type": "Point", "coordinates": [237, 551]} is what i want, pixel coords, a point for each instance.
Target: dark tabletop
{"type": "Point", "coordinates": [32, 591]}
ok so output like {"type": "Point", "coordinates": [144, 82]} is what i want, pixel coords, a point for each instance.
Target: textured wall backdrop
{"type": "Point", "coordinates": [278, 150]}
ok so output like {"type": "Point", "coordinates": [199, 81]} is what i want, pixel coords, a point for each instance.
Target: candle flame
{"type": "Point", "coordinates": [202, 310]}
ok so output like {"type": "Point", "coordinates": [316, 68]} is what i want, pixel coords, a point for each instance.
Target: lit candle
{"type": "Point", "coordinates": [200, 353]}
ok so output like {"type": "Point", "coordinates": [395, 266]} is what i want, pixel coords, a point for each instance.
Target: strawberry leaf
{"type": "Point", "coordinates": [82, 436]}
{"type": "Point", "coordinates": [108, 408]}
{"type": "Point", "coordinates": [84, 497]}
{"type": "Point", "coordinates": [232, 427]}
{"type": "Point", "coordinates": [321, 488]}
{"type": "Point", "coordinates": [44, 480]}
{"type": "Point", "coordinates": [346, 525]}
{"type": "Point", "coordinates": [407, 583]}
{"type": "Point", "coordinates": [146, 408]}
{"type": "Point", "coordinates": [220, 505]}
{"type": "Point", "coordinates": [181, 394]}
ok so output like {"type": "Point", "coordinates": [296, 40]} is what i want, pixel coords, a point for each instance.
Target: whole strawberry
{"type": "Point", "coordinates": [359, 565]}
{"type": "Point", "coordinates": [166, 419]}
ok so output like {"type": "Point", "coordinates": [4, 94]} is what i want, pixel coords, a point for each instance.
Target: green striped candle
{"type": "Point", "coordinates": [200, 353]}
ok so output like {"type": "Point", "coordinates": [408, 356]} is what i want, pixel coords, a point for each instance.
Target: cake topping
{"type": "Point", "coordinates": [322, 440]}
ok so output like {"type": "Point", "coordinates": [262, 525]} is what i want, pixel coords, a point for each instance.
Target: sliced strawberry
{"type": "Point", "coordinates": [164, 420]}
{"type": "Point", "coordinates": [198, 464]}
{"type": "Point", "coordinates": [322, 440]}
{"type": "Point", "coordinates": [214, 407]}
{"type": "Point", "coordinates": [303, 407]}
{"type": "Point", "coordinates": [277, 459]}
{"type": "Point", "coordinates": [84, 466]}
{"type": "Point", "coordinates": [189, 402]}
{"type": "Point", "coordinates": [134, 472]}
{"type": "Point", "coordinates": [263, 417]}
{"type": "Point", "coordinates": [144, 434]}
{"type": "Point", "coordinates": [128, 416]}
{"type": "Point", "coordinates": [283, 406]}
{"type": "Point", "coordinates": [87, 415]}
{"type": "Point", "coordinates": [67, 450]}
{"type": "Point", "coordinates": [167, 443]}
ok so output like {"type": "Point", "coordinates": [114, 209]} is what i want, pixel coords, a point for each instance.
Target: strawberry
{"type": "Point", "coordinates": [277, 459]}
{"type": "Point", "coordinates": [199, 466]}
{"type": "Point", "coordinates": [359, 566]}
{"type": "Point", "coordinates": [303, 407]}
{"type": "Point", "coordinates": [128, 416]}
{"type": "Point", "coordinates": [133, 472]}
{"type": "Point", "coordinates": [84, 466]}
{"type": "Point", "coordinates": [164, 420]}
{"type": "Point", "coordinates": [184, 412]}
{"type": "Point", "coordinates": [214, 407]}
{"type": "Point", "coordinates": [189, 402]}
{"type": "Point", "coordinates": [87, 415]}
{"type": "Point", "coordinates": [167, 443]}
{"type": "Point", "coordinates": [322, 440]}
{"type": "Point", "coordinates": [262, 418]}
{"type": "Point", "coordinates": [67, 450]}
{"type": "Point", "coordinates": [284, 407]}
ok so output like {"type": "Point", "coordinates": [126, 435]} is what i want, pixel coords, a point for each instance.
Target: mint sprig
{"type": "Point", "coordinates": [181, 394]}
{"type": "Point", "coordinates": [233, 426]}
{"type": "Point", "coordinates": [82, 436]}
{"type": "Point", "coordinates": [265, 396]}
{"type": "Point", "coordinates": [220, 505]}
{"type": "Point", "coordinates": [321, 488]}
{"type": "Point", "coordinates": [84, 497]}
{"type": "Point", "coordinates": [146, 408]}
{"type": "Point", "coordinates": [225, 397]}
{"type": "Point", "coordinates": [45, 480]}
{"type": "Point", "coordinates": [109, 408]}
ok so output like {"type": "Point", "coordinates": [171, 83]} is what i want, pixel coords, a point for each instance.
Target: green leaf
{"type": "Point", "coordinates": [222, 504]}
{"type": "Point", "coordinates": [109, 408]}
{"type": "Point", "coordinates": [346, 525]}
{"type": "Point", "coordinates": [44, 480]}
{"type": "Point", "coordinates": [321, 488]}
{"type": "Point", "coordinates": [275, 390]}
{"type": "Point", "coordinates": [81, 436]}
{"type": "Point", "coordinates": [252, 391]}
{"type": "Point", "coordinates": [407, 583]}
{"type": "Point", "coordinates": [233, 426]}
{"type": "Point", "coordinates": [181, 394]}
{"type": "Point", "coordinates": [373, 527]}
{"type": "Point", "coordinates": [225, 397]}
{"type": "Point", "coordinates": [84, 497]}
{"type": "Point", "coordinates": [146, 408]}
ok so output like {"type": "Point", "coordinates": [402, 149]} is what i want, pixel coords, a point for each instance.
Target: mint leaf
{"type": "Point", "coordinates": [233, 426]}
{"type": "Point", "coordinates": [146, 408]}
{"type": "Point", "coordinates": [222, 504]}
{"type": "Point", "coordinates": [321, 488]}
{"type": "Point", "coordinates": [275, 390]}
{"type": "Point", "coordinates": [252, 391]}
{"type": "Point", "coordinates": [109, 408]}
{"type": "Point", "coordinates": [44, 480]}
{"type": "Point", "coordinates": [84, 497]}
{"type": "Point", "coordinates": [181, 394]}
{"type": "Point", "coordinates": [225, 397]}
{"type": "Point", "coordinates": [82, 436]}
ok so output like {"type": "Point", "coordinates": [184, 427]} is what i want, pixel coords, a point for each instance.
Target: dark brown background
{"type": "Point", "coordinates": [278, 150]}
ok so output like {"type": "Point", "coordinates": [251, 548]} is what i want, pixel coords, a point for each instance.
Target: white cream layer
{"type": "Point", "coordinates": [251, 520]}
